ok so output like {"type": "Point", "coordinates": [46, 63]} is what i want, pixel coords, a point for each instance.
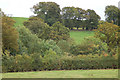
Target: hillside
{"type": "Point", "coordinates": [19, 21]}
{"type": "Point", "coordinates": [78, 36]}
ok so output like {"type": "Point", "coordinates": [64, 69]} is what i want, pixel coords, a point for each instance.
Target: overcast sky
{"type": "Point", "coordinates": [21, 8]}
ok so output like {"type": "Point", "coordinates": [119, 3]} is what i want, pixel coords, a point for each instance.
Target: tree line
{"type": "Point", "coordinates": [76, 17]}
{"type": "Point", "coordinates": [71, 17]}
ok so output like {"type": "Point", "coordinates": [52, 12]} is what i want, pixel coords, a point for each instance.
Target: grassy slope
{"type": "Point", "coordinates": [19, 21]}
{"type": "Point", "coordinates": [65, 74]}
{"type": "Point", "coordinates": [79, 36]}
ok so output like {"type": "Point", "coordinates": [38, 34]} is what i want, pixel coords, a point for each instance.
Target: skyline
{"type": "Point", "coordinates": [21, 8]}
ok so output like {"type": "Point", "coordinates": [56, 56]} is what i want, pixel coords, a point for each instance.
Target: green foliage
{"type": "Point", "coordinates": [28, 40]}
{"type": "Point", "coordinates": [64, 45]}
{"type": "Point", "coordinates": [32, 44]}
{"type": "Point", "coordinates": [112, 13]}
{"type": "Point", "coordinates": [109, 33]}
{"type": "Point", "coordinates": [96, 45]}
{"type": "Point", "coordinates": [38, 27]}
{"type": "Point", "coordinates": [51, 61]}
{"type": "Point", "coordinates": [56, 32]}
{"type": "Point", "coordinates": [80, 49]}
{"type": "Point", "coordinates": [48, 11]}
{"type": "Point", "coordinates": [47, 45]}
{"type": "Point", "coordinates": [93, 19]}
{"type": "Point", "coordinates": [59, 32]}
{"type": "Point", "coordinates": [72, 17]}
{"type": "Point", "coordinates": [90, 45]}
{"type": "Point", "coordinates": [79, 18]}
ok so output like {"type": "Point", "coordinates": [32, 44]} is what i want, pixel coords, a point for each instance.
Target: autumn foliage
{"type": "Point", "coordinates": [109, 33]}
{"type": "Point", "coordinates": [9, 34]}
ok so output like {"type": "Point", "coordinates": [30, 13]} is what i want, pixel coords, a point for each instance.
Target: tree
{"type": "Point", "coordinates": [48, 11]}
{"type": "Point", "coordinates": [38, 27]}
{"type": "Point", "coordinates": [111, 13]}
{"type": "Point", "coordinates": [78, 17]}
{"type": "Point", "coordinates": [73, 17]}
{"type": "Point", "coordinates": [28, 41]}
{"type": "Point", "coordinates": [92, 20]}
{"type": "Point", "coordinates": [10, 35]}
{"type": "Point", "coordinates": [59, 32]}
{"type": "Point", "coordinates": [68, 14]}
{"type": "Point", "coordinates": [109, 33]}
{"type": "Point", "coordinates": [119, 18]}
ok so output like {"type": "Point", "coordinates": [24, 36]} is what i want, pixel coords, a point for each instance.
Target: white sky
{"type": "Point", "coordinates": [21, 8]}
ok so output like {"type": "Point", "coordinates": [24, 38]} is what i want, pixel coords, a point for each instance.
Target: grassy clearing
{"type": "Point", "coordinates": [19, 21]}
{"type": "Point", "coordinates": [79, 36]}
{"type": "Point", "coordinates": [65, 74]}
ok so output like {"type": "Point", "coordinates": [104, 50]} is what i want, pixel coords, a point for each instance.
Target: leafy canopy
{"type": "Point", "coordinates": [10, 35]}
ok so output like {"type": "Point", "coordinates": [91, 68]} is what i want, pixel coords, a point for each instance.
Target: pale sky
{"type": "Point", "coordinates": [21, 8]}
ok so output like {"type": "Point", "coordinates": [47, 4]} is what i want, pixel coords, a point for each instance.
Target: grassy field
{"type": "Point", "coordinates": [65, 74]}
{"type": "Point", "coordinates": [19, 21]}
{"type": "Point", "coordinates": [79, 36]}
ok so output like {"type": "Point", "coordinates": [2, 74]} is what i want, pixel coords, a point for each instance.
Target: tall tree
{"type": "Point", "coordinates": [28, 42]}
{"type": "Point", "coordinates": [59, 32]}
{"type": "Point", "coordinates": [109, 33]}
{"type": "Point", "coordinates": [48, 11]}
{"type": "Point", "coordinates": [72, 17]}
{"type": "Point", "coordinates": [92, 19]}
{"type": "Point", "coordinates": [9, 34]}
{"type": "Point", "coordinates": [111, 14]}
{"type": "Point", "coordinates": [68, 16]}
{"type": "Point", "coordinates": [38, 27]}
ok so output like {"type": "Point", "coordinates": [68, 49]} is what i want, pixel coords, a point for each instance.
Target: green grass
{"type": "Point", "coordinates": [19, 21]}
{"type": "Point", "coordinates": [79, 36]}
{"type": "Point", "coordinates": [113, 73]}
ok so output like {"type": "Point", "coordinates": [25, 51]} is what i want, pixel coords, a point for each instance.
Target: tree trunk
{"type": "Point", "coordinates": [77, 28]}
{"type": "Point", "coordinates": [83, 28]}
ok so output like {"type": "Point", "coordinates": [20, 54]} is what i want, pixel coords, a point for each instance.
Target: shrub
{"type": "Point", "coordinates": [37, 62]}
{"type": "Point", "coordinates": [80, 49]}
{"type": "Point", "coordinates": [49, 44]}
{"type": "Point", "coordinates": [52, 61]}
{"type": "Point", "coordinates": [64, 45]}
{"type": "Point", "coordinates": [38, 27]}
{"type": "Point", "coordinates": [28, 40]}
{"type": "Point", "coordinates": [97, 46]}
{"type": "Point", "coordinates": [91, 45]}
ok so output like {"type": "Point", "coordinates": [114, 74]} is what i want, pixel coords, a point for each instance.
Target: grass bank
{"type": "Point", "coordinates": [112, 73]}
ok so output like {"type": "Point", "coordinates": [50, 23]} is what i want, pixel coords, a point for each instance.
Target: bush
{"type": "Point", "coordinates": [30, 43]}
{"type": "Point", "coordinates": [52, 61]}
{"type": "Point", "coordinates": [37, 26]}
{"type": "Point", "coordinates": [91, 45]}
{"type": "Point", "coordinates": [64, 45]}
{"type": "Point", "coordinates": [47, 45]}
{"type": "Point", "coordinates": [97, 46]}
{"type": "Point", "coordinates": [28, 40]}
